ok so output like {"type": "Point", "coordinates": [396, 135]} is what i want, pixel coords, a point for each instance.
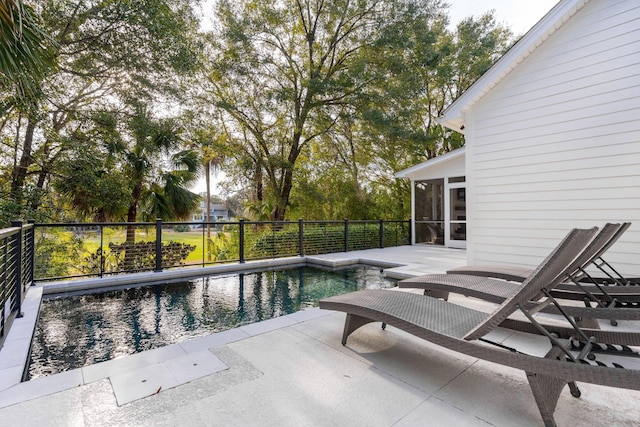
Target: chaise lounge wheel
{"type": "Point", "coordinates": [575, 391]}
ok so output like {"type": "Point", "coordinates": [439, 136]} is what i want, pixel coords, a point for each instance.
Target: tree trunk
{"type": "Point", "coordinates": [129, 262]}
{"type": "Point", "coordinates": [20, 172]}
{"type": "Point", "coordinates": [257, 179]}
{"type": "Point", "coordinates": [208, 208]}
{"type": "Point", "coordinates": [45, 170]}
{"type": "Point", "coordinates": [132, 213]}
{"type": "Point", "coordinates": [282, 201]}
{"type": "Point", "coordinates": [42, 178]}
{"type": "Point", "coordinates": [280, 209]}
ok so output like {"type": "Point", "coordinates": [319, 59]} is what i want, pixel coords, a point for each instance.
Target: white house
{"type": "Point", "coordinates": [552, 135]}
{"type": "Point", "coordinates": [217, 212]}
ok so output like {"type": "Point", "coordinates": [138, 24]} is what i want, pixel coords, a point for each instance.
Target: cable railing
{"type": "Point", "coordinates": [16, 271]}
{"type": "Point", "coordinates": [75, 250]}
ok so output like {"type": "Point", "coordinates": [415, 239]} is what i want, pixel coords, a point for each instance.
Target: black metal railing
{"type": "Point", "coordinates": [75, 250]}
{"type": "Point", "coordinates": [16, 271]}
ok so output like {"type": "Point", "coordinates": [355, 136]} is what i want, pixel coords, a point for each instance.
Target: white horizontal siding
{"type": "Point", "coordinates": [556, 144]}
{"type": "Point", "coordinates": [549, 70]}
{"type": "Point", "coordinates": [580, 117]}
{"type": "Point", "coordinates": [607, 148]}
{"type": "Point", "coordinates": [564, 90]}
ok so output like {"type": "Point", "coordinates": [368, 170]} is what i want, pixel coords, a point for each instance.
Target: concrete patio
{"type": "Point", "coordinates": [293, 370]}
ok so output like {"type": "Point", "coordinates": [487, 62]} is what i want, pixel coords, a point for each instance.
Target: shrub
{"type": "Point", "coordinates": [142, 255]}
{"type": "Point", "coordinates": [53, 252]}
{"type": "Point", "coordinates": [323, 238]}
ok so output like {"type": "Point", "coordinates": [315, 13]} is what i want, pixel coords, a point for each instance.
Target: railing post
{"type": "Point", "coordinates": [206, 254]}
{"type": "Point", "coordinates": [397, 236]}
{"type": "Point", "coordinates": [32, 251]}
{"type": "Point", "coordinates": [410, 232]}
{"type": "Point", "coordinates": [274, 227]}
{"type": "Point", "coordinates": [241, 237]}
{"type": "Point", "coordinates": [102, 261]}
{"type": "Point", "coordinates": [17, 256]}
{"type": "Point", "coordinates": [381, 233]}
{"type": "Point", "coordinates": [158, 245]}
{"type": "Point", "coordinates": [346, 235]}
{"type": "Point", "coordinates": [301, 236]}
{"type": "Point", "coordinates": [4, 285]}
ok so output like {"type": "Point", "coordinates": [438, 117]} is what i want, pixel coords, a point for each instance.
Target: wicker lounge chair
{"type": "Point", "coordinates": [518, 274]}
{"type": "Point", "coordinates": [617, 302]}
{"type": "Point", "coordinates": [462, 329]}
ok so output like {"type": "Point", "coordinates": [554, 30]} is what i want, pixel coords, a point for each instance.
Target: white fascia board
{"type": "Point", "coordinates": [451, 155]}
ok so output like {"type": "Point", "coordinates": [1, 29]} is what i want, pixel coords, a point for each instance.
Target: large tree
{"type": "Point", "coordinates": [425, 66]}
{"type": "Point", "coordinates": [141, 171]}
{"type": "Point", "coordinates": [108, 51]}
{"type": "Point", "coordinates": [278, 69]}
{"type": "Point", "coordinates": [332, 98]}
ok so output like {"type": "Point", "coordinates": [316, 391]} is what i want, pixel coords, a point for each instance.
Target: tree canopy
{"type": "Point", "coordinates": [309, 107]}
{"type": "Point", "coordinates": [329, 99]}
{"type": "Point", "coordinates": [108, 53]}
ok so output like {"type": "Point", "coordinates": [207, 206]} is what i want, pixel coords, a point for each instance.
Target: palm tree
{"type": "Point", "coordinates": [210, 143]}
{"type": "Point", "coordinates": [27, 52]}
{"type": "Point", "coordinates": [139, 170]}
{"type": "Point", "coordinates": [161, 191]}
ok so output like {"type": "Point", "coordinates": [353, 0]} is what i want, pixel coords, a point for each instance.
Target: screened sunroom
{"type": "Point", "coordinates": [438, 200]}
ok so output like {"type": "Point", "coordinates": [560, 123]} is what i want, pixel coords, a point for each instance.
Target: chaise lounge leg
{"type": "Point", "coordinates": [575, 391]}
{"type": "Point", "coordinates": [546, 391]}
{"type": "Point", "coordinates": [351, 323]}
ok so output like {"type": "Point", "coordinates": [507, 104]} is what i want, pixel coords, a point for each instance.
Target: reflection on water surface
{"type": "Point", "coordinates": [76, 331]}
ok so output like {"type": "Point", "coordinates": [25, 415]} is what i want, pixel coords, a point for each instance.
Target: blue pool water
{"type": "Point", "coordinates": [76, 331]}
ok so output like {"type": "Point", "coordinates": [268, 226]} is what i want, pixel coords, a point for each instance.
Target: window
{"type": "Point", "coordinates": [456, 179]}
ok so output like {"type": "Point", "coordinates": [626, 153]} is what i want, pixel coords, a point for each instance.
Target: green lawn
{"type": "Point", "coordinates": [193, 238]}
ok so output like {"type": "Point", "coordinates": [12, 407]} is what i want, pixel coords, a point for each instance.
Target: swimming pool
{"type": "Point", "coordinates": [76, 331]}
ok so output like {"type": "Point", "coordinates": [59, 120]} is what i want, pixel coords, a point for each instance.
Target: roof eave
{"type": "Point", "coordinates": [406, 173]}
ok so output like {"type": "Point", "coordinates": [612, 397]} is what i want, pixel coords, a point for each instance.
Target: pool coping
{"type": "Point", "coordinates": [14, 353]}
{"type": "Point", "coordinates": [146, 278]}
{"type": "Point", "coordinates": [128, 375]}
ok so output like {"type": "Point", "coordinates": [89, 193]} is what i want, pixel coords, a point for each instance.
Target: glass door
{"type": "Point", "coordinates": [456, 232]}
{"type": "Point", "coordinates": [429, 211]}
